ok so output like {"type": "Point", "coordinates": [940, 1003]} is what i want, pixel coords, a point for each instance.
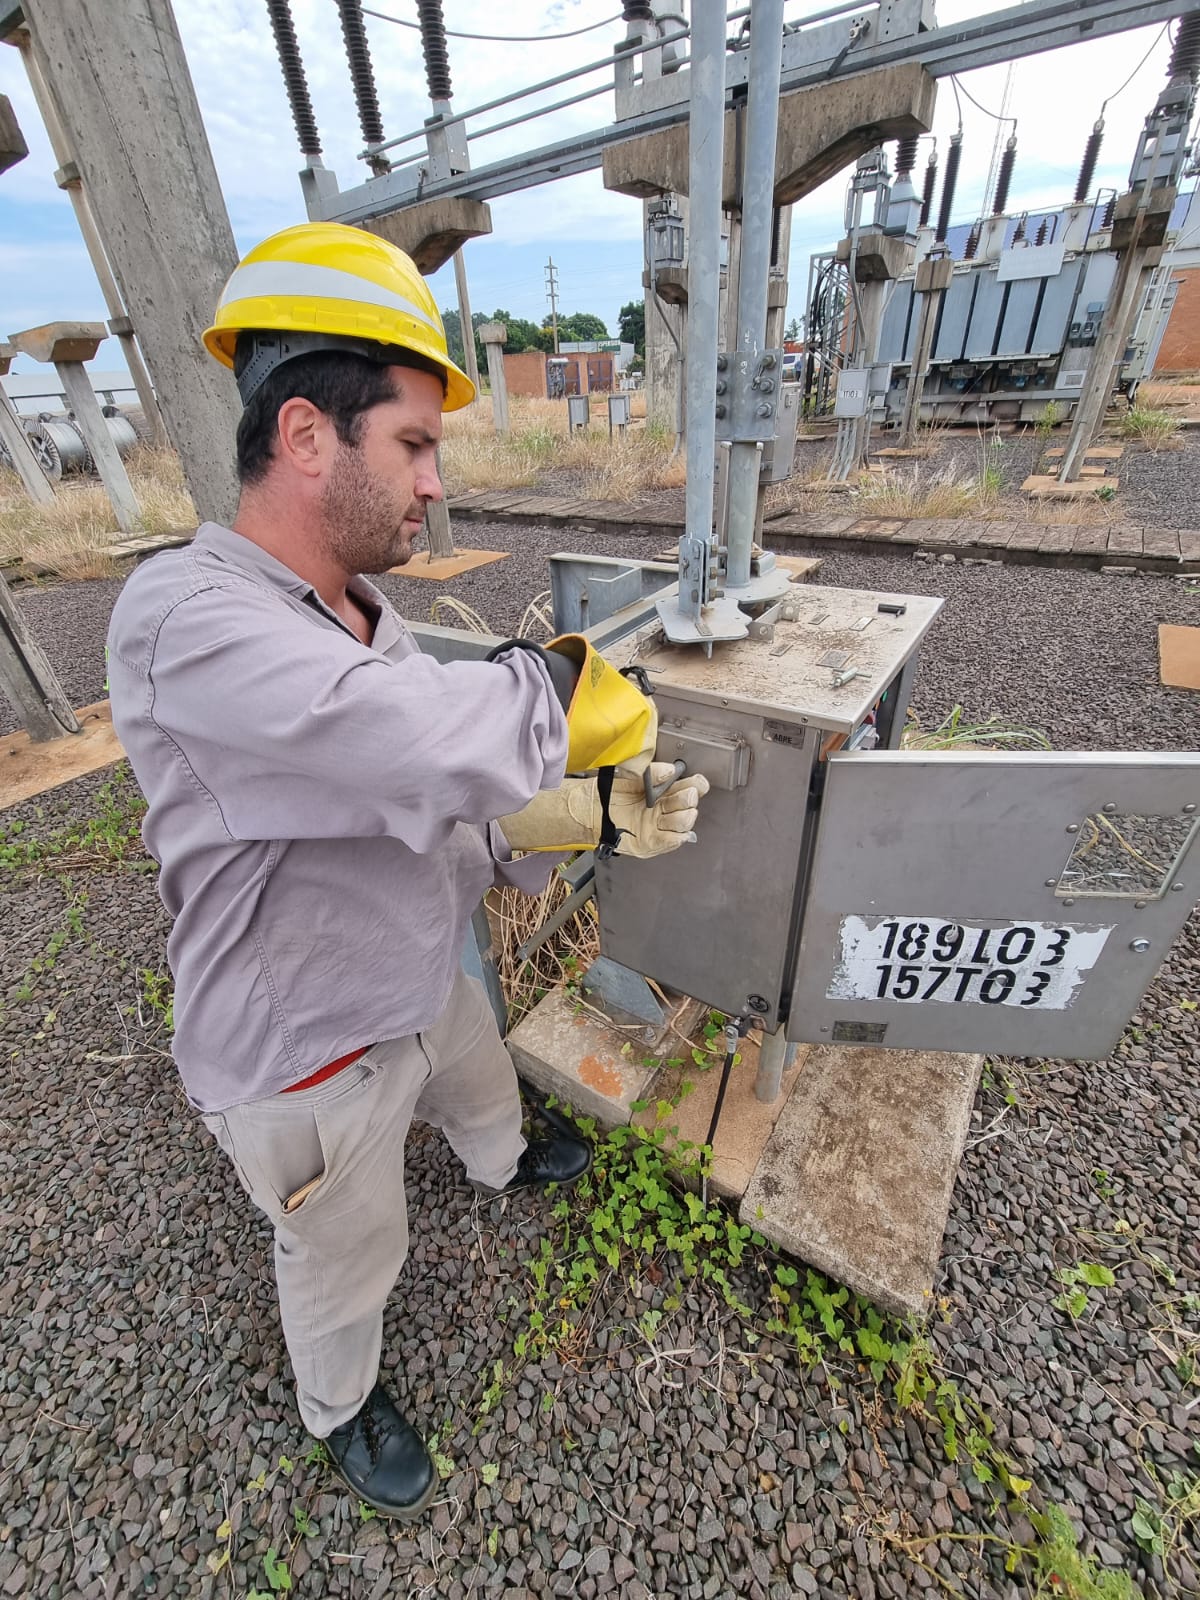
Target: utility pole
{"type": "Point", "coordinates": [552, 296]}
{"type": "Point", "coordinates": [67, 177]}
{"type": "Point", "coordinates": [118, 77]}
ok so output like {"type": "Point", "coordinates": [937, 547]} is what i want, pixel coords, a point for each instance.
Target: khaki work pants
{"type": "Point", "coordinates": [326, 1165]}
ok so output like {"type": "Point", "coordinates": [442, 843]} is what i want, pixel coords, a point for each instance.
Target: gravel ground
{"type": "Point", "coordinates": [145, 1394]}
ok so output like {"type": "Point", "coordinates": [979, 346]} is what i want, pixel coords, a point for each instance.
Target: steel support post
{"type": "Point", "coordinates": [706, 156]}
{"type": "Point", "coordinates": [754, 267]}
{"type": "Point", "coordinates": [16, 442]}
{"type": "Point", "coordinates": [81, 398]}
{"type": "Point", "coordinates": [28, 679]}
{"type": "Point", "coordinates": [775, 1056]}
{"type": "Point", "coordinates": [910, 419]}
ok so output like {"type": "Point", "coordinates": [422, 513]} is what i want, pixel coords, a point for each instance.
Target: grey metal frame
{"type": "Point", "coordinates": [809, 56]}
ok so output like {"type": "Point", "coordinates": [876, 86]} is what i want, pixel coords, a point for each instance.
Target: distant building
{"type": "Point", "coordinates": [589, 366]}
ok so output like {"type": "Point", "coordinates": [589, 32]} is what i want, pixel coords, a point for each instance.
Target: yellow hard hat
{"type": "Point", "coordinates": [335, 288]}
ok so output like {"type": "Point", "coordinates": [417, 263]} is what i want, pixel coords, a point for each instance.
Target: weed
{"type": "Point", "coordinates": [1156, 429]}
{"type": "Point", "coordinates": [955, 732]}
{"type": "Point", "coordinates": [1172, 1523]}
{"type": "Point", "coordinates": [1055, 1566]}
{"type": "Point", "coordinates": [1077, 1280]}
{"type": "Point", "coordinates": [158, 996]}
{"type": "Point", "coordinates": [109, 839]}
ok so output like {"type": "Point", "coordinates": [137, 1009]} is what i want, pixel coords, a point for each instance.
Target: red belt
{"type": "Point", "coordinates": [320, 1075]}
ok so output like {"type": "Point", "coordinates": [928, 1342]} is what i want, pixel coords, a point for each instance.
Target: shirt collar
{"type": "Point", "coordinates": [252, 558]}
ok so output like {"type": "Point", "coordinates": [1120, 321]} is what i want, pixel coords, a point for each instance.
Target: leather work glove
{"type": "Point", "coordinates": [571, 817]}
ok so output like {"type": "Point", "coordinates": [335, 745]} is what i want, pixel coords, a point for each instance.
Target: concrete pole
{"type": "Point", "coordinates": [931, 282]}
{"type": "Point", "coordinates": [464, 317]}
{"type": "Point", "coordinates": [1119, 313]}
{"type": "Point", "coordinates": [67, 177]}
{"type": "Point", "coordinates": [27, 677]}
{"type": "Point", "coordinates": [437, 524]}
{"type": "Point", "coordinates": [68, 345]}
{"type": "Point", "coordinates": [120, 80]}
{"type": "Point", "coordinates": [777, 289]}
{"type": "Point", "coordinates": [81, 398]}
{"type": "Point", "coordinates": [16, 442]}
{"type": "Point", "coordinates": [493, 335]}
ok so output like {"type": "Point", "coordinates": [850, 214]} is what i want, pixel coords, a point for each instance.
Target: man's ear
{"type": "Point", "coordinates": [306, 437]}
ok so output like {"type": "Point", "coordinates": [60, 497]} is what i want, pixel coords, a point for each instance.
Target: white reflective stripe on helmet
{"type": "Point", "coordinates": [255, 280]}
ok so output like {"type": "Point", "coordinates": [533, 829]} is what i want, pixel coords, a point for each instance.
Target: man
{"type": "Point", "coordinates": [324, 805]}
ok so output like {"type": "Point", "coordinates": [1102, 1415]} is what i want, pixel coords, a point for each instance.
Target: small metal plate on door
{"type": "Point", "coordinates": [724, 762]}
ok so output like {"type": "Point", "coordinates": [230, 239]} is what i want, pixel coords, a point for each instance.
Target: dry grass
{"type": "Point", "coordinates": [68, 537]}
{"type": "Point", "coordinates": [474, 456]}
{"type": "Point", "coordinates": [1084, 510]}
{"type": "Point", "coordinates": [945, 492]}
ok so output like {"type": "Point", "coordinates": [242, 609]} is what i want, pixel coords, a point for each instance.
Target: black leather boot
{"type": "Point", "coordinates": [379, 1455]}
{"type": "Point", "coordinates": [562, 1160]}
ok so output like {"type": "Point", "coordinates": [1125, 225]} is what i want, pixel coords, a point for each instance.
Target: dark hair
{"type": "Point", "coordinates": [341, 385]}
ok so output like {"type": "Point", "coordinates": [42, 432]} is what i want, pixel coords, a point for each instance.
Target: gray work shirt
{"type": "Point", "coordinates": [318, 807]}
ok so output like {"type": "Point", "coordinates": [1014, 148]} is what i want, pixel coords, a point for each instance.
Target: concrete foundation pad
{"type": "Point", "coordinates": [858, 1174]}
{"type": "Point", "coordinates": [443, 567]}
{"type": "Point", "coordinates": [1046, 488]}
{"type": "Point", "coordinates": [746, 1123]}
{"type": "Point", "coordinates": [27, 769]}
{"type": "Point", "coordinates": [569, 1051]}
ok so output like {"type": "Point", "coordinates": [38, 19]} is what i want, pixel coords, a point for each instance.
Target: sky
{"type": "Point", "coordinates": [594, 237]}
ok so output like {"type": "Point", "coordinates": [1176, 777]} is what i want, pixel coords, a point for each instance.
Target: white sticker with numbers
{"type": "Point", "coordinates": [1029, 965]}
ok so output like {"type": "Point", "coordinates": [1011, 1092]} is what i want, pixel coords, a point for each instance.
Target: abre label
{"type": "Point", "coordinates": [1029, 965]}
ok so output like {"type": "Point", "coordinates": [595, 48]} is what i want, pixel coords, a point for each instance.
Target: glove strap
{"type": "Point", "coordinates": [610, 834]}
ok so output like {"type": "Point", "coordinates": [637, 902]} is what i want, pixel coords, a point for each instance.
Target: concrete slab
{"type": "Point", "coordinates": [1161, 542]}
{"type": "Point", "coordinates": [1097, 452]}
{"type": "Point", "coordinates": [1179, 656]}
{"type": "Point", "coordinates": [745, 1125]}
{"type": "Point", "coordinates": [1048, 488]}
{"type": "Point", "coordinates": [857, 1176]}
{"type": "Point", "coordinates": [1124, 540]}
{"type": "Point", "coordinates": [1090, 541]}
{"type": "Point", "coordinates": [27, 769]}
{"type": "Point", "coordinates": [570, 1052]}
{"type": "Point", "coordinates": [424, 565]}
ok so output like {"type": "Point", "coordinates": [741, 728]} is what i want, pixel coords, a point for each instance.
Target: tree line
{"type": "Point", "coordinates": [526, 335]}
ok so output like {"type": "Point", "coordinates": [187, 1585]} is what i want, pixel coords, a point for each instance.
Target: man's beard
{"type": "Point", "coordinates": [361, 519]}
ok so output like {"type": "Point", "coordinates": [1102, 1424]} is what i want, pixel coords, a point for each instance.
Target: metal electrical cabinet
{"type": "Point", "coordinates": [719, 920]}
{"type": "Point", "coordinates": [1012, 902]}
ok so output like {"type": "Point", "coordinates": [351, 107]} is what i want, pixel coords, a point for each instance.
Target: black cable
{"type": "Point", "coordinates": [497, 38]}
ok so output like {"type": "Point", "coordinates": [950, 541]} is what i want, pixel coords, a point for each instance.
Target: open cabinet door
{"type": "Point", "coordinates": [1014, 904]}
